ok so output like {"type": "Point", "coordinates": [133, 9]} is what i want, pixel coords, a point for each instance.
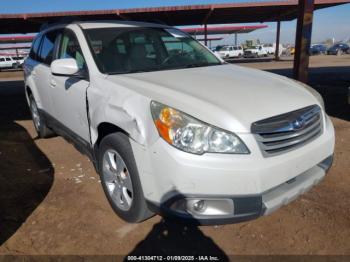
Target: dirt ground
{"type": "Point", "coordinates": [51, 200]}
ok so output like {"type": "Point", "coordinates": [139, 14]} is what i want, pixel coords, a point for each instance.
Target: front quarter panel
{"type": "Point", "coordinates": [117, 105]}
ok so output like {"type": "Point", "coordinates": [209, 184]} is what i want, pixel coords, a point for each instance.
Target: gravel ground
{"type": "Point", "coordinates": [51, 200]}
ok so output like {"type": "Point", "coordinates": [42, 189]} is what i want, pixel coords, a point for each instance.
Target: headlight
{"type": "Point", "coordinates": [313, 92]}
{"type": "Point", "coordinates": [194, 136]}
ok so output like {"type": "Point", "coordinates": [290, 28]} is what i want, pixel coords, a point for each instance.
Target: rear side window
{"type": "Point", "coordinates": [2, 59]}
{"type": "Point", "coordinates": [8, 59]}
{"type": "Point", "coordinates": [47, 47]}
{"type": "Point", "coordinates": [35, 47]}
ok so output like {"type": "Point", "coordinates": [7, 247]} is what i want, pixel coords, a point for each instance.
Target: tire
{"type": "Point", "coordinates": [120, 179]}
{"type": "Point", "coordinates": [39, 123]}
{"type": "Point", "coordinates": [15, 66]}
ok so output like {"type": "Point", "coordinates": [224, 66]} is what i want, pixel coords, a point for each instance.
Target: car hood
{"type": "Point", "coordinates": [227, 96]}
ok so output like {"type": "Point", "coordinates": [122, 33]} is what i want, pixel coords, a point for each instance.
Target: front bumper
{"type": "Point", "coordinates": [243, 207]}
{"type": "Point", "coordinates": [167, 173]}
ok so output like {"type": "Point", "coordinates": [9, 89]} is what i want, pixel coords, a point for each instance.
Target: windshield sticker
{"type": "Point", "coordinates": [176, 33]}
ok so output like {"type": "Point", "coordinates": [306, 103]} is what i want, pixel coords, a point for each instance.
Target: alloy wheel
{"type": "Point", "coordinates": [35, 115]}
{"type": "Point", "coordinates": [117, 180]}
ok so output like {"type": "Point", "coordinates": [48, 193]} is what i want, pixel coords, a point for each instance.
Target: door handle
{"type": "Point", "coordinates": [53, 83]}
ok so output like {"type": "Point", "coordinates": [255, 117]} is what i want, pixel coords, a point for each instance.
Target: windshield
{"type": "Point", "coordinates": [130, 50]}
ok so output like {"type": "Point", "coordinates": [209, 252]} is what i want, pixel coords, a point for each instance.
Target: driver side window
{"type": "Point", "coordinates": [70, 48]}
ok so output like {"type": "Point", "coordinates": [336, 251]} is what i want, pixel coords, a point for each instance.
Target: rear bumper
{"type": "Point", "coordinates": [243, 207]}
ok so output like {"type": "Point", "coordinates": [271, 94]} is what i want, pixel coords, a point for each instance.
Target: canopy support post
{"type": "Point", "coordinates": [303, 40]}
{"type": "Point", "coordinates": [277, 48]}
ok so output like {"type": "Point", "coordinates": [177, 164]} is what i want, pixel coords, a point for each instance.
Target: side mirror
{"type": "Point", "coordinates": [65, 67]}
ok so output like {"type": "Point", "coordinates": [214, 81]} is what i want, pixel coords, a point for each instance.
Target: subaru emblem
{"type": "Point", "coordinates": [297, 124]}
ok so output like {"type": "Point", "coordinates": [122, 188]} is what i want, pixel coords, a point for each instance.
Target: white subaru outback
{"type": "Point", "coordinates": [171, 128]}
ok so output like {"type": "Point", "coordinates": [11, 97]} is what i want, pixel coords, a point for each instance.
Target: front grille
{"type": "Point", "coordinates": [282, 133]}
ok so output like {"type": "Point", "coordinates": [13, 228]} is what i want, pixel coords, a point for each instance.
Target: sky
{"type": "Point", "coordinates": [331, 22]}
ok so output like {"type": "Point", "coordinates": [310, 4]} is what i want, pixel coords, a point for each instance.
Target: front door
{"type": "Point", "coordinates": [69, 93]}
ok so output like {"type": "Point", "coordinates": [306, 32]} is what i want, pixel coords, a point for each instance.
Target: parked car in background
{"type": "Point", "coordinates": [171, 128]}
{"type": "Point", "coordinates": [7, 62]}
{"type": "Point", "coordinates": [271, 48]}
{"type": "Point", "coordinates": [19, 60]}
{"type": "Point", "coordinates": [338, 49]}
{"type": "Point", "coordinates": [318, 49]}
{"type": "Point", "coordinates": [230, 51]}
{"type": "Point", "coordinates": [255, 52]}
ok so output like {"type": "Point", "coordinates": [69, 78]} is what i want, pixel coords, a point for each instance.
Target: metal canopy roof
{"type": "Point", "coordinates": [211, 39]}
{"type": "Point", "coordinates": [173, 15]}
{"type": "Point", "coordinates": [16, 39]}
{"type": "Point", "coordinates": [223, 30]}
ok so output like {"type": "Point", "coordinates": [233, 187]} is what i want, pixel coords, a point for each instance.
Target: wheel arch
{"type": "Point", "coordinates": [28, 92]}
{"type": "Point", "coordinates": [31, 90]}
{"type": "Point", "coordinates": [104, 129]}
{"type": "Point", "coordinates": [107, 128]}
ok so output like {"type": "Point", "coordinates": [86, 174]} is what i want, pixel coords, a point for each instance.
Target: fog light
{"type": "Point", "coordinates": [203, 207]}
{"type": "Point", "coordinates": [199, 206]}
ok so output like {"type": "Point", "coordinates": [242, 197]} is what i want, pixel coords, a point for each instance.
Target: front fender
{"type": "Point", "coordinates": [125, 109]}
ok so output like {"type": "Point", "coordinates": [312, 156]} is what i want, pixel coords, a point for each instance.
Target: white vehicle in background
{"type": "Point", "coordinates": [255, 52]}
{"type": "Point", "coordinates": [271, 49]}
{"type": "Point", "coordinates": [173, 129]}
{"type": "Point", "coordinates": [19, 59]}
{"type": "Point", "coordinates": [230, 51]}
{"type": "Point", "coordinates": [7, 62]}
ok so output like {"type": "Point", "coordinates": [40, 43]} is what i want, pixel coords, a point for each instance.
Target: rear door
{"type": "Point", "coordinates": [69, 92]}
{"type": "Point", "coordinates": [43, 71]}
